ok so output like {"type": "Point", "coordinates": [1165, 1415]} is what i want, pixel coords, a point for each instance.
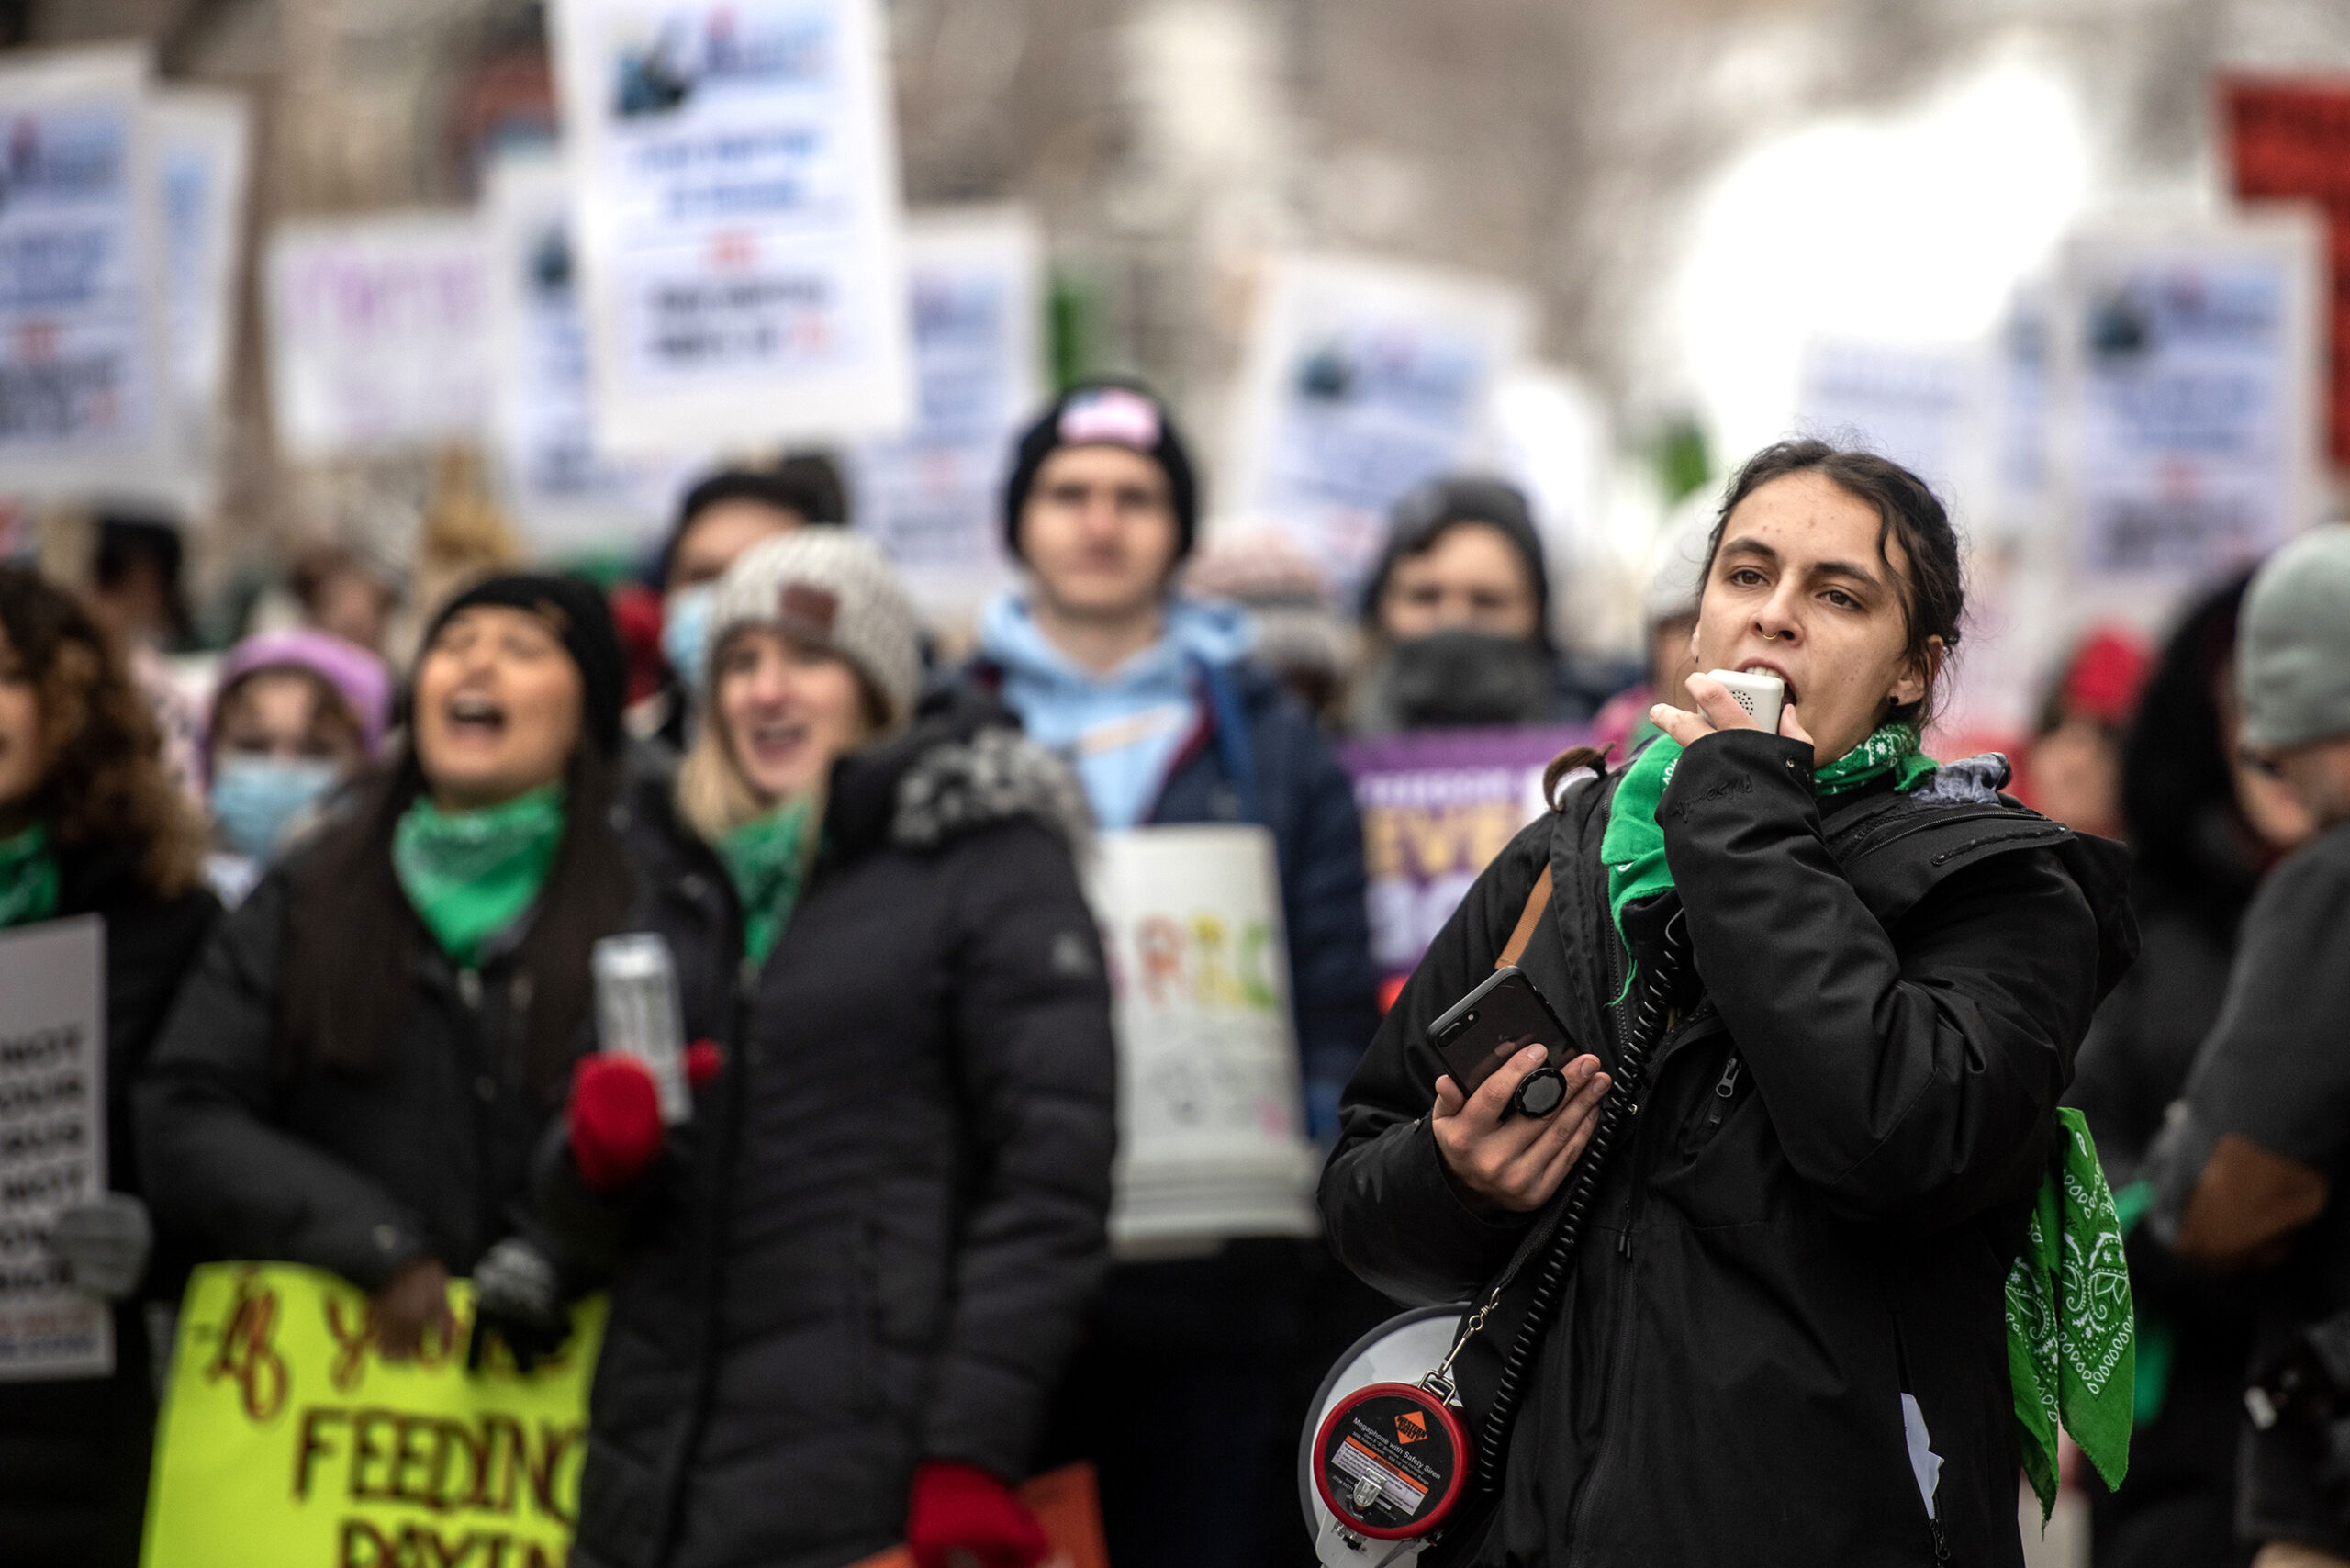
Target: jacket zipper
{"type": "Point", "coordinates": [1725, 1091]}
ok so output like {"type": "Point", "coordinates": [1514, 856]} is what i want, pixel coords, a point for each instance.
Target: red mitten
{"type": "Point", "coordinates": [961, 1517]}
{"type": "Point", "coordinates": [703, 1058]}
{"type": "Point", "coordinates": [615, 1120]}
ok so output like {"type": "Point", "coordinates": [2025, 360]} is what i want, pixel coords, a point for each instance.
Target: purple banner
{"type": "Point", "coordinates": [1436, 805]}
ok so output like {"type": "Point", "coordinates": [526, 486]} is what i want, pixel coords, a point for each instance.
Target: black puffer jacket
{"type": "Point", "coordinates": [1815, 1210]}
{"type": "Point", "coordinates": [257, 1152]}
{"type": "Point", "coordinates": [874, 1242]}
{"type": "Point", "coordinates": [73, 1454]}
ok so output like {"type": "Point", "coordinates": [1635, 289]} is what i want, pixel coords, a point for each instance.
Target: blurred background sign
{"type": "Point", "coordinates": [736, 209]}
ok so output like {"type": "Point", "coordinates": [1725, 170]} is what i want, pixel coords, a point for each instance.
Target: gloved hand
{"type": "Point", "coordinates": [614, 1120]}
{"type": "Point", "coordinates": [961, 1517]}
{"type": "Point", "coordinates": [104, 1243]}
{"type": "Point", "coordinates": [517, 1298]}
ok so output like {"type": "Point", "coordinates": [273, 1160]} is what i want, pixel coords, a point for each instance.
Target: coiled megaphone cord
{"type": "Point", "coordinates": [1631, 1069]}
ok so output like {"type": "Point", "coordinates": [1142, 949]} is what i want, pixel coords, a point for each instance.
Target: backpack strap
{"type": "Point", "coordinates": [1528, 922]}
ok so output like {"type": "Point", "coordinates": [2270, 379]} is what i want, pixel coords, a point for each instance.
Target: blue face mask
{"type": "Point", "coordinates": [256, 798]}
{"type": "Point", "coordinates": [685, 634]}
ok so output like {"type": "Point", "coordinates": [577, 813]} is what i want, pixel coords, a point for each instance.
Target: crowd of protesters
{"type": "Point", "coordinates": [862, 1286]}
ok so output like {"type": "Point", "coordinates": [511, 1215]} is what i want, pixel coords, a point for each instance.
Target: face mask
{"type": "Point", "coordinates": [256, 798]}
{"type": "Point", "coordinates": [684, 631]}
{"type": "Point", "coordinates": [1458, 677]}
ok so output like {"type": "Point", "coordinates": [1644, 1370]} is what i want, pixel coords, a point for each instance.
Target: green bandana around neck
{"type": "Point", "coordinates": [766, 859]}
{"type": "Point", "coordinates": [28, 878]}
{"type": "Point", "coordinates": [2071, 1342]}
{"type": "Point", "coordinates": [469, 875]}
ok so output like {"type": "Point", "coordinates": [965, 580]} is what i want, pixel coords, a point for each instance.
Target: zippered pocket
{"type": "Point", "coordinates": [1729, 1088]}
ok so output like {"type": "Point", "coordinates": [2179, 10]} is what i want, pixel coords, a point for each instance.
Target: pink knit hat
{"type": "Point", "coordinates": [357, 676]}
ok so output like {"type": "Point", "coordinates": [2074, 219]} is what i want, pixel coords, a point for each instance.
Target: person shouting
{"type": "Point", "coordinates": [1153, 699]}
{"type": "Point", "coordinates": [1847, 987]}
{"type": "Point", "coordinates": [91, 825]}
{"type": "Point", "coordinates": [843, 1295]}
{"type": "Point", "coordinates": [358, 1074]}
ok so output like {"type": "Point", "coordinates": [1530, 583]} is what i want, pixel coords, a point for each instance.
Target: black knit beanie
{"type": "Point", "coordinates": [1428, 510]}
{"type": "Point", "coordinates": [577, 610]}
{"type": "Point", "coordinates": [1106, 413]}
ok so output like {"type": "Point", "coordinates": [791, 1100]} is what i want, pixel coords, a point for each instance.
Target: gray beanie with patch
{"type": "Point", "coordinates": [835, 590]}
{"type": "Point", "coordinates": [2293, 649]}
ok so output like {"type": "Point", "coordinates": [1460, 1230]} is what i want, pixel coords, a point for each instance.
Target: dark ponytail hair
{"type": "Point", "coordinates": [1933, 593]}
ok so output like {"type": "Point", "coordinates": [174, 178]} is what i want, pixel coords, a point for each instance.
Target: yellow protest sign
{"type": "Point", "coordinates": [287, 1443]}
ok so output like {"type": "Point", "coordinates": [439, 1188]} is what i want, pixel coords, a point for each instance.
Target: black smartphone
{"type": "Point", "coordinates": [1492, 1023]}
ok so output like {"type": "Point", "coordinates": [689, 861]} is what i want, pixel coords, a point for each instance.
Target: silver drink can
{"type": "Point", "coordinates": [638, 1013]}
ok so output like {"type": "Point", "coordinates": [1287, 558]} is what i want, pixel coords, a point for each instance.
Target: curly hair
{"type": "Point", "coordinates": [105, 782]}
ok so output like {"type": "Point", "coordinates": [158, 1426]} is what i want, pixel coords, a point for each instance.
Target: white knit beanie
{"type": "Point", "coordinates": [831, 588]}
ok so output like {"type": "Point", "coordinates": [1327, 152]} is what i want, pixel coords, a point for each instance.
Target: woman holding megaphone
{"type": "Point", "coordinates": [1775, 1281]}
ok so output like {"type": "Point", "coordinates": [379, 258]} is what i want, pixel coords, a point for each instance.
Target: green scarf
{"type": "Point", "coordinates": [764, 859]}
{"type": "Point", "coordinates": [28, 878]}
{"type": "Point", "coordinates": [469, 875]}
{"type": "Point", "coordinates": [2075, 1368]}
{"type": "Point", "coordinates": [1633, 847]}
{"type": "Point", "coordinates": [2071, 1350]}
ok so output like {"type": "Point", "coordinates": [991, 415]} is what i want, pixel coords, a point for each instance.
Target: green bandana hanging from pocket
{"type": "Point", "coordinates": [2071, 1344]}
{"type": "Point", "coordinates": [469, 875]}
{"type": "Point", "coordinates": [28, 878]}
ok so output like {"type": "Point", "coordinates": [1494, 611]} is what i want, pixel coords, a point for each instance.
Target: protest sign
{"type": "Point", "coordinates": [1210, 1112]}
{"type": "Point", "coordinates": [934, 496]}
{"type": "Point", "coordinates": [85, 381]}
{"type": "Point", "coordinates": [1436, 806]}
{"type": "Point", "coordinates": [2289, 139]}
{"type": "Point", "coordinates": [735, 204]}
{"type": "Point", "coordinates": [287, 1441]}
{"type": "Point", "coordinates": [1361, 380]}
{"type": "Point", "coordinates": [201, 142]}
{"type": "Point", "coordinates": [2187, 364]}
{"type": "Point", "coordinates": [1922, 405]}
{"type": "Point", "coordinates": [379, 332]}
{"type": "Point", "coordinates": [567, 490]}
{"type": "Point", "coordinates": [53, 1142]}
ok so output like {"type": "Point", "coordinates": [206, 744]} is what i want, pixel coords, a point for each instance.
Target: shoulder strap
{"type": "Point", "coordinates": [1528, 922]}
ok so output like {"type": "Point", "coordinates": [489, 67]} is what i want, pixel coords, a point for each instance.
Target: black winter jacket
{"type": "Point", "coordinates": [873, 1243]}
{"type": "Point", "coordinates": [1815, 1210]}
{"type": "Point", "coordinates": [363, 1173]}
{"type": "Point", "coordinates": [73, 1454]}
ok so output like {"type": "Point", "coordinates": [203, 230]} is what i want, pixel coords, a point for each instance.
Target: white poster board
{"type": "Point", "coordinates": [934, 496]}
{"type": "Point", "coordinates": [202, 141]}
{"type": "Point", "coordinates": [379, 333]}
{"type": "Point", "coordinates": [53, 1142]}
{"type": "Point", "coordinates": [567, 490]}
{"type": "Point", "coordinates": [736, 205]}
{"type": "Point", "coordinates": [1210, 1139]}
{"type": "Point", "coordinates": [84, 384]}
{"type": "Point", "coordinates": [1925, 405]}
{"type": "Point", "coordinates": [1362, 379]}
{"type": "Point", "coordinates": [2187, 371]}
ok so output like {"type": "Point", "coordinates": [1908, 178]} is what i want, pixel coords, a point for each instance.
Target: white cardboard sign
{"type": "Point", "coordinates": [736, 206]}
{"type": "Point", "coordinates": [53, 1142]}
{"type": "Point", "coordinates": [379, 332]}
{"type": "Point", "coordinates": [1210, 1141]}
{"type": "Point", "coordinates": [85, 393]}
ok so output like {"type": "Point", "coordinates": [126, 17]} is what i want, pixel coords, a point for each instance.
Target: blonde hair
{"type": "Point", "coordinates": [712, 796]}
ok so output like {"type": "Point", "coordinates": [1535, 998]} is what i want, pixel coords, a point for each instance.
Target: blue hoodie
{"type": "Point", "coordinates": [1121, 730]}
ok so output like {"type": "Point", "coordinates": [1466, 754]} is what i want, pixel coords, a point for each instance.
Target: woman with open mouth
{"type": "Point", "coordinates": [1779, 1281]}
{"type": "Point", "coordinates": [358, 1074]}
{"type": "Point", "coordinates": [844, 1288]}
